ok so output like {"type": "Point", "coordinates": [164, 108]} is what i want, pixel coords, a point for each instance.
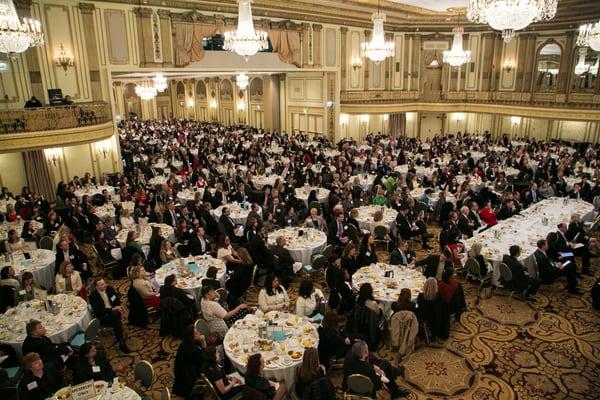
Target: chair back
{"type": "Point", "coordinates": [144, 373]}
{"type": "Point", "coordinates": [202, 327]}
{"type": "Point", "coordinates": [505, 272]}
{"type": "Point", "coordinates": [380, 232]}
{"type": "Point", "coordinates": [91, 332]}
{"type": "Point", "coordinates": [403, 331]}
{"type": "Point", "coordinates": [165, 394]}
{"type": "Point", "coordinates": [210, 386]}
{"type": "Point", "coordinates": [360, 384]}
{"type": "Point", "coordinates": [46, 243]}
{"type": "Point", "coordinates": [315, 204]}
{"type": "Point", "coordinates": [472, 266]}
{"type": "Point", "coordinates": [328, 250]}
{"type": "Point", "coordinates": [319, 262]}
{"type": "Point", "coordinates": [352, 232]}
{"type": "Point", "coordinates": [223, 294]}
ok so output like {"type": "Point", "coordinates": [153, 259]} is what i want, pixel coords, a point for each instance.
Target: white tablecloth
{"type": "Point", "coordinates": [387, 289]}
{"type": "Point", "coordinates": [364, 180]}
{"type": "Point", "coordinates": [161, 180]}
{"type": "Point", "coordinates": [189, 277]}
{"type": "Point", "coordinates": [237, 212]}
{"type": "Point", "coordinates": [301, 248]}
{"type": "Point", "coordinates": [435, 196]}
{"type": "Point", "coordinates": [303, 192]}
{"type": "Point", "coordinates": [73, 317]}
{"type": "Point", "coordinates": [262, 180]}
{"type": "Point", "coordinates": [419, 171]}
{"type": "Point", "coordinates": [145, 232]}
{"type": "Point", "coordinates": [41, 265]}
{"type": "Point", "coordinates": [242, 340]}
{"type": "Point", "coordinates": [118, 391]}
{"type": "Point", "coordinates": [3, 204]}
{"type": "Point", "coordinates": [365, 217]}
{"type": "Point", "coordinates": [525, 230]}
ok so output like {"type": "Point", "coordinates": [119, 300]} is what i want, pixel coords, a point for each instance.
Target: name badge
{"type": "Point", "coordinates": [289, 221]}
{"type": "Point", "coordinates": [368, 254]}
{"type": "Point", "coordinates": [32, 385]}
{"type": "Point", "coordinates": [22, 292]}
{"type": "Point", "coordinates": [71, 257]}
{"type": "Point", "coordinates": [95, 369]}
{"type": "Point", "coordinates": [113, 298]}
{"type": "Point", "coordinates": [191, 230]}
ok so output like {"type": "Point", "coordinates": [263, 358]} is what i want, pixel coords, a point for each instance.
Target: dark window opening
{"type": "Point", "coordinates": [216, 42]}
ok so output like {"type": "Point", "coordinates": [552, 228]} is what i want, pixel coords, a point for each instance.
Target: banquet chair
{"type": "Point", "coordinates": [223, 295]}
{"type": "Point", "coordinates": [318, 263]}
{"type": "Point", "coordinates": [143, 372]}
{"type": "Point", "coordinates": [506, 275]}
{"type": "Point", "coordinates": [474, 272]}
{"type": "Point", "coordinates": [360, 384]}
{"type": "Point", "coordinates": [89, 336]}
{"type": "Point", "coordinates": [315, 204]}
{"type": "Point", "coordinates": [328, 250]}
{"type": "Point", "coordinates": [202, 326]}
{"type": "Point", "coordinates": [381, 236]}
{"type": "Point", "coordinates": [352, 232]}
{"type": "Point", "coordinates": [46, 243]}
{"type": "Point", "coordinates": [107, 265]}
{"type": "Point", "coordinates": [165, 394]}
{"type": "Point", "coordinates": [205, 384]}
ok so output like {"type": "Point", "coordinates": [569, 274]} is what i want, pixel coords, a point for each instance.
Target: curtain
{"type": "Point", "coordinates": [38, 174]}
{"type": "Point", "coordinates": [184, 33]}
{"type": "Point", "coordinates": [287, 46]}
{"type": "Point", "coordinates": [397, 125]}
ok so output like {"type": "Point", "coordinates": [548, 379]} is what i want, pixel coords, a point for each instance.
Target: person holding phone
{"type": "Point", "coordinates": [549, 269]}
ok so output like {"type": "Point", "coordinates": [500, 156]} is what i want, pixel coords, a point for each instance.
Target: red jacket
{"type": "Point", "coordinates": [488, 216]}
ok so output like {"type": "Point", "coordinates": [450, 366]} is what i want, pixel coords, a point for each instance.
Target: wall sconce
{"type": "Point", "coordinates": [329, 104]}
{"type": "Point", "coordinates": [364, 118]}
{"type": "Point", "coordinates": [515, 120]}
{"type": "Point", "coordinates": [356, 63]}
{"type": "Point", "coordinates": [509, 65]}
{"type": "Point", "coordinates": [52, 155]}
{"type": "Point", "coordinates": [410, 116]}
{"type": "Point", "coordinates": [190, 103]}
{"type": "Point", "coordinates": [459, 116]}
{"type": "Point", "coordinates": [63, 59]}
{"type": "Point", "coordinates": [258, 107]}
{"type": "Point", "coordinates": [305, 111]}
{"type": "Point", "coordinates": [241, 106]}
{"type": "Point", "coordinates": [344, 119]}
{"type": "Point", "coordinates": [3, 66]}
{"type": "Point", "coordinates": [386, 117]}
{"type": "Point", "coordinates": [103, 148]}
{"type": "Point", "coordinates": [213, 104]}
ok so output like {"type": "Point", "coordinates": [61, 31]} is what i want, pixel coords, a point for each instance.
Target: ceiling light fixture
{"type": "Point", "coordinates": [242, 80]}
{"type": "Point", "coordinates": [581, 68]}
{"type": "Point", "coordinates": [146, 90]}
{"type": "Point", "coordinates": [435, 63]}
{"type": "Point", "coordinates": [245, 40]}
{"type": "Point", "coordinates": [378, 49]}
{"type": "Point", "coordinates": [456, 56]}
{"type": "Point", "coordinates": [16, 35]}
{"type": "Point", "coordinates": [509, 16]}
{"type": "Point", "coordinates": [589, 35]}
{"type": "Point", "coordinates": [160, 82]}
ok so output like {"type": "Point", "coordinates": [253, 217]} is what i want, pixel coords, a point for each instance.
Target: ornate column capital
{"type": "Point", "coordinates": [86, 8]}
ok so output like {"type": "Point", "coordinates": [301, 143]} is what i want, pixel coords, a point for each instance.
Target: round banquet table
{"type": "Point", "coordinates": [41, 265]}
{"type": "Point", "coordinates": [419, 171]}
{"type": "Point", "coordinates": [510, 171]}
{"type": "Point", "coordinates": [237, 212]}
{"type": "Point", "coordinates": [387, 289]}
{"type": "Point", "coordinates": [73, 317]}
{"type": "Point", "coordinates": [364, 180]}
{"type": "Point", "coordinates": [223, 169]}
{"type": "Point", "coordinates": [282, 356]}
{"type": "Point", "coordinates": [317, 168]}
{"type": "Point", "coordinates": [435, 196]}
{"type": "Point", "coordinates": [91, 191]}
{"type": "Point", "coordinates": [186, 195]}
{"type": "Point", "coordinates": [303, 192]}
{"type": "Point", "coordinates": [365, 217]}
{"type": "Point", "coordinates": [145, 232]}
{"type": "Point", "coordinates": [189, 276]}
{"type": "Point", "coordinates": [107, 210]}
{"type": "Point", "coordinates": [18, 226]}
{"type": "Point", "coordinates": [262, 180]}
{"type": "Point", "coordinates": [117, 391]}
{"type": "Point", "coordinates": [4, 203]}
{"type": "Point", "coordinates": [301, 248]}
{"type": "Point", "coordinates": [161, 180]}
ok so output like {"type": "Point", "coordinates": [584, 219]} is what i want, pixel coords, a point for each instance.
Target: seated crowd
{"type": "Point", "coordinates": [220, 165]}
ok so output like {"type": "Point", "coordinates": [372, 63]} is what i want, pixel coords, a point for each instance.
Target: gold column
{"type": "Point", "coordinates": [305, 44]}
{"type": "Point", "coordinates": [343, 56]}
{"type": "Point", "coordinates": [165, 32]}
{"type": "Point", "coordinates": [567, 64]}
{"type": "Point", "coordinates": [143, 18]}
{"type": "Point", "coordinates": [366, 63]}
{"type": "Point", "coordinates": [91, 46]}
{"type": "Point", "coordinates": [119, 101]}
{"type": "Point", "coordinates": [317, 44]}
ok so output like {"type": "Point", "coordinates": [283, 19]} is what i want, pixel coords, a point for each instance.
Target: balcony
{"type": "Point", "coordinates": [573, 106]}
{"type": "Point", "coordinates": [26, 129]}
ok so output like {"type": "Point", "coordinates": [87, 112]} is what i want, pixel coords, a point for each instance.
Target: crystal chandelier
{"type": "Point", "coordinates": [16, 36]}
{"type": "Point", "coordinates": [589, 35]}
{"type": "Point", "coordinates": [435, 63]}
{"type": "Point", "coordinates": [378, 49]}
{"type": "Point", "coordinates": [242, 80]}
{"type": "Point", "coordinates": [509, 16]}
{"type": "Point", "coordinates": [457, 56]}
{"type": "Point", "coordinates": [160, 82]}
{"type": "Point", "coordinates": [245, 40]}
{"type": "Point", "coordinates": [146, 90]}
{"type": "Point", "coordinates": [581, 68]}
{"type": "Point", "coordinates": [594, 68]}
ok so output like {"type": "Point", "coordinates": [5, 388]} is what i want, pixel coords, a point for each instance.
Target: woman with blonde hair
{"type": "Point", "coordinates": [311, 370]}
{"type": "Point", "coordinates": [68, 280]}
{"type": "Point", "coordinates": [168, 252]}
{"type": "Point", "coordinates": [432, 310]}
{"type": "Point", "coordinates": [475, 252]}
{"type": "Point", "coordinates": [126, 220]}
{"type": "Point", "coordinates": [141, 282]}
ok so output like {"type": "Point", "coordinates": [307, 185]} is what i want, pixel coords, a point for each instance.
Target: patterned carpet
{"type": "Point", "coordinates": [502, 348]}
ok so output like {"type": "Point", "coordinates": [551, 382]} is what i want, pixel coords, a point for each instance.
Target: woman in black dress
{"type": "Point", "coordinates": [188, 362]}
{"type": "Point", "coordinates": [226, 387]}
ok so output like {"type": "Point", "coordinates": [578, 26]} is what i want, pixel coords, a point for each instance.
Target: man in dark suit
{"type": "Point", "coordinates": [240, 196]}
{"type": "Point", "coordinates": [285, 265]}
{"type": "Point", "coordinates": [520, 280]}
{"type": "Point", "coordinates": [507, 210]}
{"type": "Point", "coordinates": [401, 255]}
{"type": "Point", "coordinates": [228, 223]}
{"type": "Point", "coordinates": [52, 354]}
{"type": "Point", "coordinates": [435, 265]}
{"type": "Point", "coordinates": [549, 270]}
{"type": "Point", "coordinates": [262, 256]}
{"type": "Point", "coordinates": [198, 245]}
{"type": "Point", "coordinates": [171, 215]}
{"type": "Point", "coordinates": [474, 215]}
{"type": "Point", "coordinates": [465, 225]}
{"type": "Point", "coordinates": [408, 229]}
{"type": "Point", "coordinates": [357, 362]}
{"type": "Point", "coordinates": [337, 231]}
{"type": "Point", "coordinates": [211, 226]}
{"type": "Point", "coordinates": [106, 305]}
{"type": "Point", "coordinates": [564, 244]}
{"type": "Point", "coordinates": [67, 251]}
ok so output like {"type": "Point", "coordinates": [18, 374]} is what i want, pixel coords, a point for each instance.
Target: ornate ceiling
{"type": "Point", "coordinates": [402, 15]}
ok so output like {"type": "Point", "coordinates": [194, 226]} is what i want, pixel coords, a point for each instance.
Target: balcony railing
{"type": "Point", "coordinates": [54, 118]}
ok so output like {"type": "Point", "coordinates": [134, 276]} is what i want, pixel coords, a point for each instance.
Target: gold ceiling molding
{"type": "Point", "coordinates": [12, 142]}
{"type": "Point", "coordinates": [522, 111]}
